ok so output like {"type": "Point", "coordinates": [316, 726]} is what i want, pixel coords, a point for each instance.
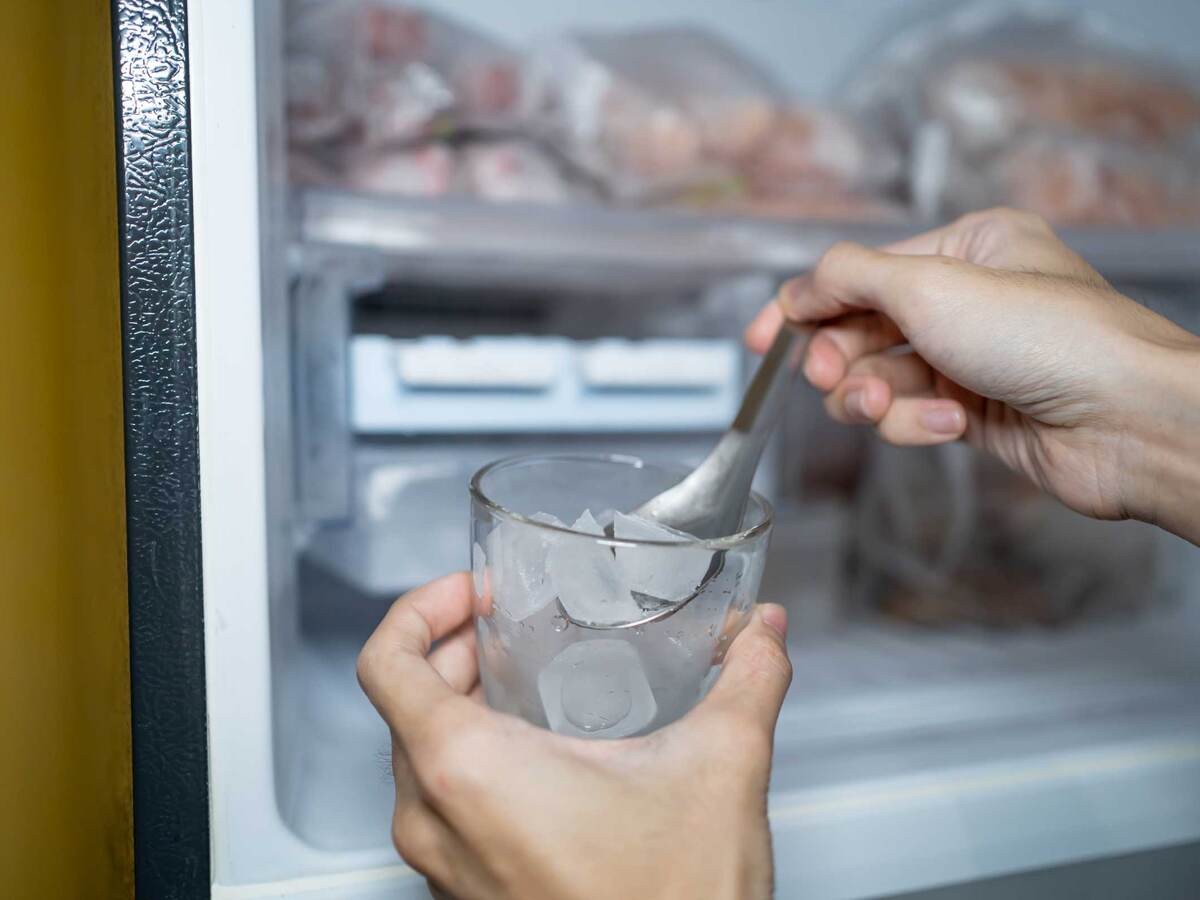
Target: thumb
{"type": "Point", "coordinates": [756, 673]}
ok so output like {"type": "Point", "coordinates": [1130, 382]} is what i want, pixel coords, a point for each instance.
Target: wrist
{"type": "Point", "coordinates": [1161, 441]}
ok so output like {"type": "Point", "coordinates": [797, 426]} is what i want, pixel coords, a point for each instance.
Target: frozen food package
{"type": "Point", "coordinates": [1062, 113]}
{"type": "Point", "coordinates": [381, 72]}
{"type": "Point", "coordinates": [650, 109]}
{"type": "Point", "coordinates": [989, 71]}
{"type": "Point", "coordinates": [427, 171]}
{"type": "Point", "coordinates": [946, 536]}
{"type": "Point", "coordinates": [813, 162]}
{"type": "Point", "coordinates": [820, 150]}
{"type": "Point", "coordinates": [984, 101]}
{"type": "Point", "coordinates": [514, 171]}
{"type": "Point", "coordinates": [1071, 181]}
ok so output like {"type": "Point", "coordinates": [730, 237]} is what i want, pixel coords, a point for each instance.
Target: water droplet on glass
{"type": "Point", "coordinates": [561, 623]}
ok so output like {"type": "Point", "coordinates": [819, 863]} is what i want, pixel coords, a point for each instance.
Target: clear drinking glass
{"type": "Point", "coordinates": [535, 553]}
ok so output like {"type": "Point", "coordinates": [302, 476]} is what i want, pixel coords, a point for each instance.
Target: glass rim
{"type": "Point", "coordinates": [728, 542]}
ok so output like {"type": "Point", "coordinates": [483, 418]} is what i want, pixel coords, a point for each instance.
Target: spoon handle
{"type": "Point", "coordinates": [709, 503]}
{"type": "Point", "coordinates": [764, 399]}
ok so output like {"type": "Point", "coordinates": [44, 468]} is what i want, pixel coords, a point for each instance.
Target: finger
{"type": "Point", "coordinates": [427, 614]}
{"type": "Point", "coordinates": [837, 345]}
{"type": "Point", "coordinates": [756, 673]}
{"type": "Point", "coordinates": [853, 278]}
{"type": "Point", "coordinates": [922, 421]}
{"type": "Point", "coordinates": [428, 844]}
{"type": "Point", "coordinates": [859, 400]}
{"type": "Point", "coordinates": [906, 373]}
{"type": "Point", "coordinates": [455, 660]}
{"type": "Point", "coordinates": [392, 667]}
{"type": "Point", "coordinates": [763, 329]}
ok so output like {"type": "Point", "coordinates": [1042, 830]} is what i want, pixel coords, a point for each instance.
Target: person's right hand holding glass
{"type": "Point", "coordinates": [991, 330]}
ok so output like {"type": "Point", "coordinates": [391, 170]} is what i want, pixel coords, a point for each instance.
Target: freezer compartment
{"type": "Point", "coordinates": [905, 757]}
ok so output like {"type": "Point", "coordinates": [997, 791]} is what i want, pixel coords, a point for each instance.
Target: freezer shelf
{"type": "Point", "coordinates": [436, 237]}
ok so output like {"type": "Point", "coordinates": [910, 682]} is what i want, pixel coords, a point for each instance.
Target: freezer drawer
{"type": "Point", "coordinates": [519, 384]}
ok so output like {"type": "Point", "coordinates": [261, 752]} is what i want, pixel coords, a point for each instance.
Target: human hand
{"type": "Point", "coordinates": [1018, 346]}
{"type": "Point", "coordinates": [488, 805]}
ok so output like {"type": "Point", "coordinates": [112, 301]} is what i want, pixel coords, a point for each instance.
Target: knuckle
{"type": "Point", "coordinates": [834, 408]}
{"type": "Point", "coordinates": [868, 365]}
{"type": "Point", "coordinates": [1006, 221]}
{"type": "Point", "coordinates": [448, 761]}
{"type": "Point", "coordinates": [832, 262]}
{"type": "Point", "coordinates": [369, 664]}
{"type": "Point", "coordinates": [413, 839]}
{"type": "Point", "coordinates": [791, 285]}
{"type": "Point", "coordinates": [1034, 222]}
{"type": "Point", "coordinates": [834, 258]}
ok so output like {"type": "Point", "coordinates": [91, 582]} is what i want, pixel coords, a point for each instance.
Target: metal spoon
{"type": "Point", "coordinates": [711, 501]}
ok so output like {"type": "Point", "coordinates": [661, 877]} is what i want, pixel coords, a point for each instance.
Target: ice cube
{"type": "Point", "coordinates": [517, 553]}
{"type": "Point", "coordinates": [605, 517]}
{"type": "Point", "coordinates": [587, 524]}
{"type": "Point", "coordinates": [597, 689]}
{"type": "Point", "coordinates": [585, 577]}
{"type": "Point", "coordinates": [664, 573]}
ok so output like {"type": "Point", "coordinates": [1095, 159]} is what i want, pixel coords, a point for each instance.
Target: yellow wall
{"type": "Point", "coordinates": [65, 798]}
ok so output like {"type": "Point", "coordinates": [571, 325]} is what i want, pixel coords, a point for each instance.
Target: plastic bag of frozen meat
{"type": "Point", "coordinates": [513, 171]}
{"type": "Point", "coordinates": [947, 537]}
{"type": "Point", "coordinates": [813, 162]}
{"type": "Point", "coordinates": [1072, 180]}
{"type": "Point", "coordinates": [653, 110]}
{"type": "Point", "coordinates": [979, 94]}
{"type": "Point", "coordinates": [990, 71]}
{"type": "Point", "coordinates": [500, 171]}
{"type": "Point", "coordinates": [375, 73]}
{"type": "Point", "coordinates": [817, 148]}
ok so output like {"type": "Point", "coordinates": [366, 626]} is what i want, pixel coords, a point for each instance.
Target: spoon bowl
{"type": "Point", "coordinates": [711, 501]}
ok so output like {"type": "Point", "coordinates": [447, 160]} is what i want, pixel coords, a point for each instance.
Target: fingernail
{"type": "Point", "coordinates": [787, 295]}
{"type": "Point", "coordinates": [942, 419]}
{"type": "Point", "coordinates": [855, 404]}
{"type": "Point", "coordinates": [775, 616]}
{"type": "Point", "coordinates": [785, 298]}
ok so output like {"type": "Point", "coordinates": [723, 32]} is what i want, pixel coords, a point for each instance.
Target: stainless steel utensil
{"type": "Point", "coordinates": [711, 501]}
